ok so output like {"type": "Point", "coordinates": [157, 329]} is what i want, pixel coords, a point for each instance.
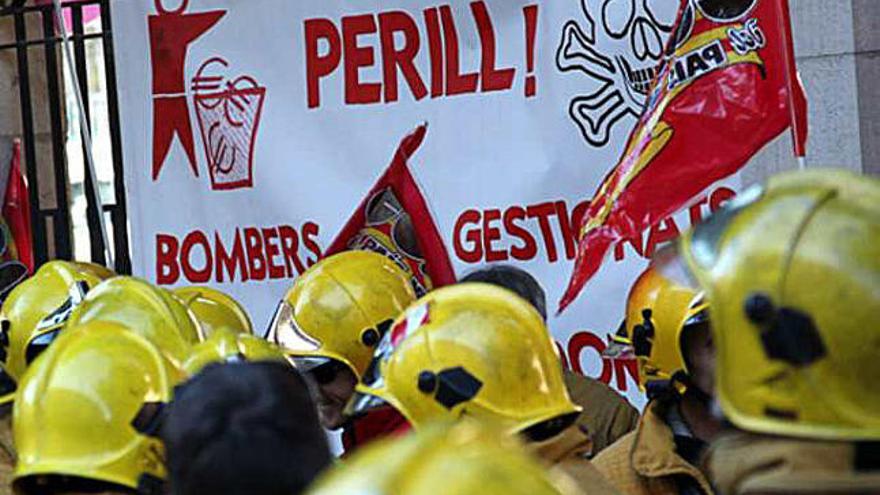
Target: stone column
{"type": "Point", "coordinates": [866, 22]}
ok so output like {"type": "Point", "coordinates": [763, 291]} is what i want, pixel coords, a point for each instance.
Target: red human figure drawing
{"type": "Point", "coordinates": [171, 33]}
{"type": "Point", "coordinates": [228, 112]}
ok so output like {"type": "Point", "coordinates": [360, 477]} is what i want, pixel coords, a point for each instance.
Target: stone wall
{"type": "Point", "coordinates": [836, 45]}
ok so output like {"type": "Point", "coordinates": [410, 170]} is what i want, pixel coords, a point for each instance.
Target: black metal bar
{"type": "Point", "coordinates": [37, 8]}
{"type": "Point", "coordinates": [55, 39]}
{"type": "Point", "coordinates": [61, 223]}
{"type": "Point", "coordinates": [120, 214]}
{"type": "Point", "coordinates": [59, 216]}
{"type": "Point", "coordinates": [38, 222]}
{"type": "Point", "coordinates": [96, 240]}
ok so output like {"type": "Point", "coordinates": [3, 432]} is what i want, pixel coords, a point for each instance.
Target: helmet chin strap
{"type": "Point", "coordinates": [691, 388]}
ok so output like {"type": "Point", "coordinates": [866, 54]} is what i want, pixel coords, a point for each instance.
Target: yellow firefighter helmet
{"type": "Point", "coordinates": [151, 311]}
{"type": "Point", "coordinates": [89, 409]}
{"type": "Point", "coordinates": [225, 346]}
{"type": "Point", "coordinates": [36, 311]}
{"type": "Point", "coordinates": [658, 312]}
{"type": "Point", "coordinates": [792, 271]}
{"type": "Point", "coordinates": [339, 310]}
{"type": "Point", "coordinates": [214, 310]}
{"type": "Point", "coordinates": [475, 350]}
{"type": "Point", "coordinates": [458, 459]}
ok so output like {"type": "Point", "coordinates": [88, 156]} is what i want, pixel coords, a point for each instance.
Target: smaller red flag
{"type": "Point", "coordinates": [17, 213]}
{"type": "Point", "coordinates": [394, 220]}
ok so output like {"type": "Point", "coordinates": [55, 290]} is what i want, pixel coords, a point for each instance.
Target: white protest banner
{"type": "Point", "coordinates": [252, 130]}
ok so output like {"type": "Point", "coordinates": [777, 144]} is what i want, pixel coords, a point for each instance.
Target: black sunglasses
{"type": "Point", "coordinates": [326, 372]}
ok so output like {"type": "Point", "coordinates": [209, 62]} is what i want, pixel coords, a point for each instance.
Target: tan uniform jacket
{"type": "Point", "coordinates": [607, 415]}
{"type": "Point", "coordinates": [7, 452]}
{"type": "Point", "coordinates": [743, 463]}
{"type": "Point", "coordinates": [567, 453]}
{"type": "Point", "coordinates": [644, 462]}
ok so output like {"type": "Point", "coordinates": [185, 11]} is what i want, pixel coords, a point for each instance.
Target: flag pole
{"type": "Point", "coordinates": [85, 130]}
{"type": "Point", "coordinates": [798, 124]}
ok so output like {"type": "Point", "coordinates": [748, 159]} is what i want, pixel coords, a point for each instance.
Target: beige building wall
{"type": "Point", "coordinates": [836, 45]}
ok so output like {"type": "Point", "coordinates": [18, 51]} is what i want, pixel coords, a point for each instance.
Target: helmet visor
{"type": "Point", "coordinates": [373, 377]}
{"type": "Point", "coordinates": [306, 364]}
{"type": "Point", "coordinates": [285, 332]}
{"type": "Point", "coordinates": [363, 402]}
{"type": "Point", "coordinates": [39, 344]}
{"type": "Point", "coordinates": [619, 348]}
{"type": "Point", "coordinates": [702, 247]}
{"type": "Point", "coordinates": [620, 345]}
{"type": "Point", "coordinates": [59, 317]}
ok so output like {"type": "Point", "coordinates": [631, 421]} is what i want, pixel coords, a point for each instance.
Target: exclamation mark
{"type": "Point", "coordinates": [531, 15]}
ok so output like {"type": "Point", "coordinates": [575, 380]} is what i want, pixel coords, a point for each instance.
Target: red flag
{"type": "Point", "coordinates": [394, 220]}
{"type": "Point", "coordinates": [17, 213]}
{"type": "Point", "coordinates": [724, 92]}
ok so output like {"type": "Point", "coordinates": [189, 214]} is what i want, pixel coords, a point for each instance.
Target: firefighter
{"type": "Point", "coordinates": [668, 330]}
{"type": "Point", "coordinates": [35, 313]}
{"type": "Point", "coordinates": [330, 322]}
{"type": "Point", "coordinates": [453, 459]}
{"type": "Point", "coordinates": [792, 270]}
{"type": "Point", "coordinates": [31, 318]}
{"type": "Point", "coordinates": [606, 415]}
{"type": "Point", "coordinates": [244, 428]}
{"type": "Point", "coordinates": [214, 310]}
{"type": "Point", "coordinates": [478, 350]}
{"type": "Point", "coordinates": [87, 414]}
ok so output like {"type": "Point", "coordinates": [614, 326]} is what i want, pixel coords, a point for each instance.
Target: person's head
{"type": "Point", "coordinates": [667, 325]}
{"type": "Point", "coordinates": [226, 346]}
{"type": "Point", "coordinates": [85, 416]}
{"type": "Point", "coordinates": [514, 279]}
{"type": "Point", "coordinates": [454, 459]}
{"type": "Point", "coordinates": [332, 318]}
{"type": "Point", "coordinates": [242, 429]}
{"type": "Point", "coordinates": [470, 350]}
{"type": "Point", "coordinates": [214, 310]}
{"type": "Point", "coordinates": [792, 270]}
{"type": "Point", "coordinates": [36, 311]}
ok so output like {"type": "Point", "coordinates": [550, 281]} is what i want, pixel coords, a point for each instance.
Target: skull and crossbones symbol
{"type": "Point", "coordinates": [621, 48]}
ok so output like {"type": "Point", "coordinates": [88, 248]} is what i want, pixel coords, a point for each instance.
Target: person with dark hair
{"type": "Point", "coordinates": [606, 415]}
{"type": "Point", "coordinates": [241, 429]}
{"type": "Point", "coordinates": [514, 279]}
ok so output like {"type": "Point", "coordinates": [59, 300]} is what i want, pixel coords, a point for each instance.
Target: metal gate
{"type": "Point", "coordinates": [53, 223]}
